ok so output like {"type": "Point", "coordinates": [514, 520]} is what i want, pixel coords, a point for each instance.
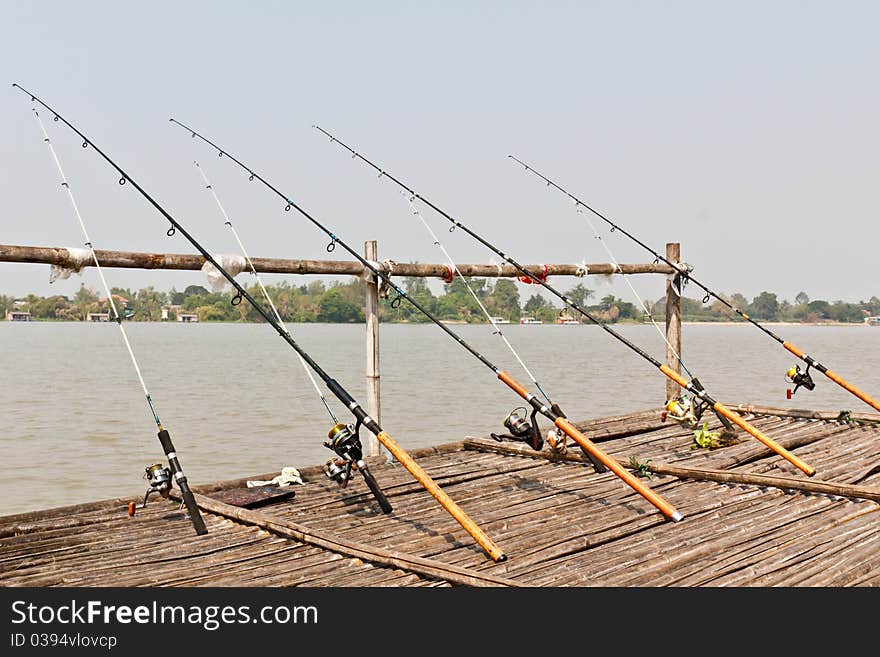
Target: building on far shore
{"type": "Point", "coordinates": [98, 317]}
{"type": "Point", "coordinates": [18, 316]}
{"type": "Point", "coordinates": [190, 318]}
{"type": "Point", "coordinates": [167, 310]}
{"type": "Point", "coordinates": [873, 321]}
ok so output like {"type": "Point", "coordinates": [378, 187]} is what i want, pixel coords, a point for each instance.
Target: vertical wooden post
{"type": "Point", "coordinates": [673, 320]}
{"type": "Point", "coordinates": [371, 318]}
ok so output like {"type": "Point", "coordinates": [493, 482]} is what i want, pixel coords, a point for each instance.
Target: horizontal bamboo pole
{"type": "Point", "coordinates": [369, 553]}
{"type": "Point", "coordinates": [803, 413]}
{"type": "Point", "coordinates": [187, 262]}
{"type": "Point", "coordinates": [706, 474]}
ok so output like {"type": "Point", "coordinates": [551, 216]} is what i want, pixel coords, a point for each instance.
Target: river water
{"type": "Point", "coordinates": [237, 403]}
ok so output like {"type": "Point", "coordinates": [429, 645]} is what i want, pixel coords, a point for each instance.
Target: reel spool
{"type": "Point", "coordinates": [517, 424]}
{"type": "Point", "coordinates": [681, 410]}
{"type": "Point", "coordinates": [798, 378]}
{"type": "Point", "coordinates": [522, 429]}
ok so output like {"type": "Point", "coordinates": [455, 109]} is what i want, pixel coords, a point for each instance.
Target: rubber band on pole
{"type": "Point", "coordinates": [542, 277]}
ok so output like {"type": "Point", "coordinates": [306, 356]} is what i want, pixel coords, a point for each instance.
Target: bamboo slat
{"type": "Point", "coordinates": [350, 548]}
{"type": "Point", "coordinates": [787, 483]}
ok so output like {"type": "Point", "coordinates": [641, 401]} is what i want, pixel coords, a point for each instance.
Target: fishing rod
{"type": "Point", "coordinates": [531, 433]}
{"type": "Point", "coordinates": [158, 476]}
{"type": "Point", "coordinates": [343, 439]}
{"type": "Point", "coordinates": [794, 375]}
{"type": "Point", "coordinates": [693, 387]}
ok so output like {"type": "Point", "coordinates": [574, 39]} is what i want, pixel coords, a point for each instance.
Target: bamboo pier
{"type": "Point", "coordinates": [751, 519]}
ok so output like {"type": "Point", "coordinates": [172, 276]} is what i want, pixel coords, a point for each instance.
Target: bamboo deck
{"type": "Point", "coordinates": [560, 523]}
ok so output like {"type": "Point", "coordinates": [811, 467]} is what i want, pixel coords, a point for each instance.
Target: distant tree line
{"type": "Point", "coordinates": [341, 302]}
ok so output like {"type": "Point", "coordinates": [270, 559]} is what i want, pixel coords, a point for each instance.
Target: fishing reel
{"type": "Point", "coordinates": [159, 478]}
{"type": "Point", "coordinates": [684, 411]}
{"type": "Point", "coordinates": [798, 378]}
{"type": "Point", "coordinates": [522, 429]}
{"type": "Point", "coordinates": [344, 440]}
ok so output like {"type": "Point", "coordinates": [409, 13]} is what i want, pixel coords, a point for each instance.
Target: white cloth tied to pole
{"type": "Point", "coordinates": [78, 258]}
{"type": "Point", "coordinates": [287, 477]}
{"type": "Point", "coordinates": [231, 262]}
{"type": "Point", "coordinates": [367, 274]}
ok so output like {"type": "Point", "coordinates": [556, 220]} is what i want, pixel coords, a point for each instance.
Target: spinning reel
{"type": "Point", "coordinates": [521, 429]}
{"type": "Point", "coordinates": [684, 411]}
{"type": "Point", "coordinates": [344, 440]}
{"type": "Point", "coordinates": [798, 378]}
{"type": "Point", "coordinates": [159, 478]}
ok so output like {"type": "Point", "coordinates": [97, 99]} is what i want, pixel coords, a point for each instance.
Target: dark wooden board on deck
{"type": "Point", "coordinates": [251, 498]}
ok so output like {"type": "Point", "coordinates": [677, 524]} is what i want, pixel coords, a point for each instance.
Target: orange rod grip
{"type": "Point", "coordinates": [764, 438]}
{"type": "Point", "coordinates": [513, 384]}
{"type": "Point", "coordinates": [797, 352]}
{"type": "Point", "coordinates": [446, 502]}
{"type": "Point", "coordinates": [848, 386]}
{"type": "Point", "coordinates": [612, 464]}
{"type": "Point", "coordinates": [675, 376]}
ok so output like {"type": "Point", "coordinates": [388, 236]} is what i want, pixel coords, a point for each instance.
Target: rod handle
{"type": "Point", "coordinates": [614, 465]}
{"type": "Point", "coordinates": [764, 438]}
{"type": "Point", "coordinates": [194, 514]}
{"type": "Point", "coordinates": [188, 498]}
{"type": "Point", "coordinates": [797, 352]}
{"type": "Point", "coordinates": [445, 501]}
{"type": "Point", "coordinates": [846, 385]}
{"type": "Point", "coordinates": [377, 492]}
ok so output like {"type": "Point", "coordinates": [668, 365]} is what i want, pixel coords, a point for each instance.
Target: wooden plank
{"type": "Point", "coordinates": [787, 483]}
{"type": "Point", "coordinates": [348, 548]}
{"type": "Point", "coordinates": [256, 496]}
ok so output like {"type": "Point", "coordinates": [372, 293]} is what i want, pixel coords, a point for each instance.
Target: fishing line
{"type": "Point", "coordinates": [164, 436]}
{"type": "Point", "coordinates": [794, 375]}
{"type": "Point", "coordinates": [344, 440]}
{"type": "Point", "coordinates": [693, 386]}
{"type": "Point", "coordinates": [641, 301]}
{"type": "Point", "coordinates": [497, 331]}
{"type": "Point", "coordinates": [228, 222]}
{"type": "Point", "coordinates": [600, 459]}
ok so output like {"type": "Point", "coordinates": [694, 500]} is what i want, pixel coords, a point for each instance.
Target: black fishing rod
{"type": "Point", "coordinates": [529, 433]}
{"type": "Point", "coordinates": [794, 375]}
{"type": "Point", "coordinates": [693, 387]}
{"type": "Point", "coordinates": [344, 439]}
{"type": "Point", "coordinates": [158, 476]}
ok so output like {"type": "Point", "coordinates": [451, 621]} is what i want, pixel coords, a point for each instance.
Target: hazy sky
{"type": "Point", "coordinates": [748, 131]}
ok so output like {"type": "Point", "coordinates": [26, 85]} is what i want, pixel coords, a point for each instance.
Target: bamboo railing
{"type": "Point", "coordinates": [61, 257]}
